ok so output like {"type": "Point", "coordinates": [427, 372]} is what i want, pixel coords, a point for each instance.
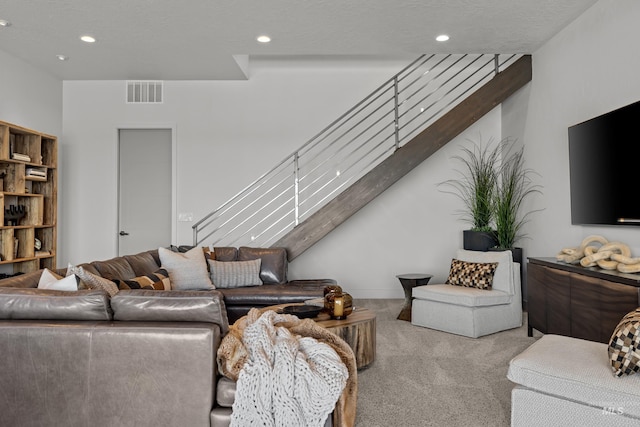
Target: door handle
{"type": "Point", "coordinates": [124, 233]}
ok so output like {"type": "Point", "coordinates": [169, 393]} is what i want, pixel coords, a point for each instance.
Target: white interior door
{"type": "Point", "coordinates": [144, 203]}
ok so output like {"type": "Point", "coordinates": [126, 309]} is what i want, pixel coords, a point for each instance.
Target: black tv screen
{"type": "Point", "coordinates": [604, 160]}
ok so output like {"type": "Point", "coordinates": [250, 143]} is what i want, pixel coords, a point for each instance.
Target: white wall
{"type": "Point", "coordinates": [228, 133]}
{"type": "Point", "coordinates": [589, 68]}
{"type": "Point", "coordinates": [29, 97]}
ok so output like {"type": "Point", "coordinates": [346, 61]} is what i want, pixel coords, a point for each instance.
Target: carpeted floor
{"type": "Point", "coordinates": [423, 377]}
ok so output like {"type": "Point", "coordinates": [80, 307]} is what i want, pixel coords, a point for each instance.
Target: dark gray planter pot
{"type": "Point", "coordinates": [478, 240]}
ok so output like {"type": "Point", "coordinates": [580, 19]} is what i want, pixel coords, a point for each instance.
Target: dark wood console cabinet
{"type": "Point", "coordinates": [579, 302]}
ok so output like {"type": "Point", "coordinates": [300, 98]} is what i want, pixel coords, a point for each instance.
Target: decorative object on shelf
{"type": "Point", "coordinates": [13, 214]}
{"type": "Point", "coordinates": [338, 304]}
{"type": "Point", "coordinates": [36, 173]}
{"type": "Point", "coordinates": [607, 256]}
{"type": "Point", "coordinates": [21, 157]}
{"type": "Point", "coordinates": [37, 244]}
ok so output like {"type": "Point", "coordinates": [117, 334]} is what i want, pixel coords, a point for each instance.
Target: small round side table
{"type": "Point", "coordinates": [410, 281]}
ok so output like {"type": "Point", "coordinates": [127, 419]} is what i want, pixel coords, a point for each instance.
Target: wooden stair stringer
{"type": "Point", "coordinates": [400, 163]}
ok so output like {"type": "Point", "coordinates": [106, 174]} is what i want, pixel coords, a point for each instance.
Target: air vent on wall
{"type": "Point", "coordinates": [144, 92]}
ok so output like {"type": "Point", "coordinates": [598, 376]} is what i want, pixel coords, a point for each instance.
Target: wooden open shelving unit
{"type": "Point", "coordinates": [30, 184]}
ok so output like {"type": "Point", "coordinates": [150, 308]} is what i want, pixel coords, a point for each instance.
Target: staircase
{"type": "Point", "coordinates": [365, 151]}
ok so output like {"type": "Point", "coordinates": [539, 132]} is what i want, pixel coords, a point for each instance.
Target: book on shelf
{"type": "Point", "coordinates": [37, 172]}
{"type": "Point", "coordinates": [21, 157]}
{"type": "Point", "coordinates": [42, 253]}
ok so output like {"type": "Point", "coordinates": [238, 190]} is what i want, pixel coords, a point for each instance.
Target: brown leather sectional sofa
{"type": "Point", "coordinates": [139, 358]}
{"type": "Point", "coordinates": [277, 289]}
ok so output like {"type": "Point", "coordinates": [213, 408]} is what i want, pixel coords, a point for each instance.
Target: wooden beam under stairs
{"type": "Point", "coordinates": [421, 147]}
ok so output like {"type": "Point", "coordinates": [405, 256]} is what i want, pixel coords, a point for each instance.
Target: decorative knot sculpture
{"type": "Point", "coordinates": [608, 255]}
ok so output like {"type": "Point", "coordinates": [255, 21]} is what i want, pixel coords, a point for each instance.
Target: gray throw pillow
{"type": "Point", "coordinates": [188, 270]}
{"type": "Point", "coordinates": [235, 274]}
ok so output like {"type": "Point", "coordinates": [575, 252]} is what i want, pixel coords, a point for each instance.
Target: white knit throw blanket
{"type": "Point", "coordinates": [288, 380]}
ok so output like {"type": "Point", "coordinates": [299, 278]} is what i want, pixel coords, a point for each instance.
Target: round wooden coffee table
{"type": "Point", "coordinates": [358, 330]}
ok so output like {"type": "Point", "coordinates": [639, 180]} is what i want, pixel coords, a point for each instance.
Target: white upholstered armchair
{"type": "Point", "coordinates": [470, 311]}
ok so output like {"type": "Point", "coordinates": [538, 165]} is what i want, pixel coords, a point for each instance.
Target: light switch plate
{"type": "Point", "coordinates": [185, 216]}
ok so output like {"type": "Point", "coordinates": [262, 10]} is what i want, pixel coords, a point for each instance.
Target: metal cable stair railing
{"type": "Point", "coordinates": [347, 149]}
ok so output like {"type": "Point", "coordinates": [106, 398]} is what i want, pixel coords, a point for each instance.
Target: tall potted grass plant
{"type": "Point", "coordinates": [513, 187]}
{"type": "Point", "coordinates": [475, 186]}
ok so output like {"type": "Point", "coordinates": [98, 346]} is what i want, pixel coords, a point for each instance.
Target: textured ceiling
{"type": "Point", "coordinates": [201, 39]}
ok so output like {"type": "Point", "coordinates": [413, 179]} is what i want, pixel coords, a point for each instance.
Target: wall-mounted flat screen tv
{"type": "Point", "coordinates": [604, 163]}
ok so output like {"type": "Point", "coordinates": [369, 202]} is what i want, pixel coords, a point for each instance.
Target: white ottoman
{"type": "Point", "coordinates": [563, 381]}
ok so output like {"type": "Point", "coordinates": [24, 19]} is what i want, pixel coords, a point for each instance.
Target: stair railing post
{"type": "Point", "coordinates": [395, 111]}
{"type": "Point", "coordinates": [296, 189]}
{"type": "Point", "coordinates": [496, 63]}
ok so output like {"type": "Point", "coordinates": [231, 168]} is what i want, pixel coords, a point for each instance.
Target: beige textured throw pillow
{"type": "Point", "coordinates": [188, 270]}
{"type": "Point", "coordinates": [235, 274]}
{"type": "Point", "coordinates": [92, 281]}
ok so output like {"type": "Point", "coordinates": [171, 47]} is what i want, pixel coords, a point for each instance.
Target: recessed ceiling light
{"type": "Point", "coordinates": [62, 57]}
{"type": "Point", "coordinates": [264, 39]}
{"type": "Point", "coordinates": [88, 39]}
{"type": "Point", "coordinates": [4, 23]}
{"type": "Point", "coordinates": [442, 38]}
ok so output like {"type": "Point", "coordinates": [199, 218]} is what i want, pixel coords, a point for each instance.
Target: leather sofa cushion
{"type": "Point", "coordinates": [170, 306]}
{"type": "Point", "coordinates": [42, 304]}
{"type": "Point", "coordinates": [28, 280]}
{"type": "Point", "coordinates": [60, 373]}
{"type": "Point", "coordinates": [274, 294]}
{"type": "Point", "coordinates": [115, 268]}
{"type": "Point", "coordinates": [221, 417]}
{"type": "Point", "coordinates": [225, 253]}
{"type": "Point", "coordinates": [142, 263]}
{"type": "Point", "coordinates": [273, 269]}
{"type": "Point", "coordinates": [156, 256]}
{"type": "Point", "coordinates": [225, 392]}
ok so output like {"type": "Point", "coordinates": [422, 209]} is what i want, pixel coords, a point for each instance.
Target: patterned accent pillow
{"type": "Point", "coordinates": [235, 274]}
{"type": "Point", "coordinates": [92, 281]}
{"type": "Point", "coordinates": [624, 345]}
{"type": "Point", "coordinates": [158, 280]}
{"type": "Point", "coordinates": [187, 271]}
{"type": "Point", "coordinates": [472, 274]}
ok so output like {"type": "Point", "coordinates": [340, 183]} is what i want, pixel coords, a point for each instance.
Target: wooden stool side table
{"type": "Point", "coordinates": [358, 330]}
{"type": "Point", "coordinates": [408, 282]}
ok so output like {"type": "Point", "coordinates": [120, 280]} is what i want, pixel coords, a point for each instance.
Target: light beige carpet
{"type": "Point", "coordinates": [423, 377]}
